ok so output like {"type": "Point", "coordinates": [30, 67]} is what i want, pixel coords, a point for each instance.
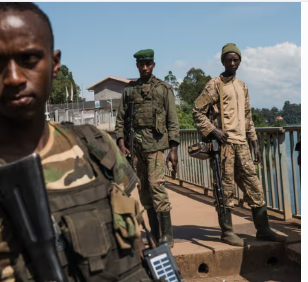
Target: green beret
{"type": "Point", "coordinates": [144, 55]}
{"type": "Point", "coordinates": [230, 48]}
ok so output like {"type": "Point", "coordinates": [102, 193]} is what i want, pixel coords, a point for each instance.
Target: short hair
{"type": "Point", "coordinates": [28, 6]}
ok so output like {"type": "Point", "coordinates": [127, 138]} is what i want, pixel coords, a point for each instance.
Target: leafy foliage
{"type": "Point", "coordinates": [185, 116]}
{"type": "Point", "coordinates": [64, 80]}
{"type": "Point", "coordinates": [192, 85]}
{"type": "Point", "coordinates": [291, 114]}
{"type": "Point", "coordinates": [279, 123]}
{"type": "Point", "coordinates": [258, 120]}
{"type": "Point", "coordinates": [171, 79]}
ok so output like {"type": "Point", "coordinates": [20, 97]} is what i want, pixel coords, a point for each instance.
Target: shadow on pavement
{"type": "Point", "coordinates": [268, 257]}
{"type": "Point", "coordinates": [288, 229]}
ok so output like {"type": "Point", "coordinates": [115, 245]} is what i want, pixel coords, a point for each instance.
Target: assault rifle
{"type": "Point", "coordinates": [131, 133]}
{"type": "Point", "coordinates": [218, 189]}
{"type": "Point", "coordinates": [24, 201]}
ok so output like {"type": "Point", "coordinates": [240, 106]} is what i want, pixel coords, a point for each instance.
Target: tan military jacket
{"type": "Point", "coordinates": [237, 111]}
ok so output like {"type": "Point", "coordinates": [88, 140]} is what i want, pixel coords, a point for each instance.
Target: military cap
{"type": "Point", "coordinates": [230, 48]}
{"type": "Point", "coordinates": [144, 55]}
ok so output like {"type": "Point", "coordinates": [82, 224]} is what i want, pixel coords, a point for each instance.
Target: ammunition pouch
{"type": "Point", "coordinates": [124, 211]}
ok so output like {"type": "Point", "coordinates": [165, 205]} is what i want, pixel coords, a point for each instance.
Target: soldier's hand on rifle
{"type": "Point", "coordinates": [222, 136]}
{"type": "Point", "coordinates": [122, 147]}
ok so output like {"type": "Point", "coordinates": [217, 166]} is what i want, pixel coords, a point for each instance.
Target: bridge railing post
{"type": "Point", "coordinates": [286, 195]}
{"type": "Point", "coordinates": [56, 115]}
{"type": "Point", "coordinates": [66, 115]}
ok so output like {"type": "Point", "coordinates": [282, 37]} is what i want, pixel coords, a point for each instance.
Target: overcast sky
{"type": "Point", "coordinates": [99, 40]}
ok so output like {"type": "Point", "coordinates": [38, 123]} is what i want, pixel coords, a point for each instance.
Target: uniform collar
{"type": "Point", "coordinates": [227, 79]}
{"type": "Point", "coordinates": [143, 81]}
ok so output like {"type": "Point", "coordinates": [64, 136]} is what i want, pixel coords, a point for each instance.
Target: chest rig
{"type": "Point", "coordinates": [86, 239]}
{"type": "Point", "coordinates": [148, 99]}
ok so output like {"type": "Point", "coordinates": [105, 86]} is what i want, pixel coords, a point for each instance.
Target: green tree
{"type": "Point", "coordinates": [171, 79]}
{"type": "Point", "coordinates": [185, 117]}
{"type": "Point", "coordinates": [258, 120]}
{"type": "Point", "coordinates": [279, 123]}
{"type": "Point", "coordinates": [192, 85]}
{"type": "Point", "coordinates": [291, 113]}
{"type": "Point", "coordinates": [64, 81]}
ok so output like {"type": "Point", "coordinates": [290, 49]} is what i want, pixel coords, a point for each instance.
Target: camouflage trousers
{"type": "Point", "coordinates": [239, 167]}
{"type": "Point", "coordinates": [150, 171]}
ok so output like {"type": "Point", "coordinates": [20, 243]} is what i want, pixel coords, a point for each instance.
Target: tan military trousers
{"type": "Point", "coordinates": [239, 168]}
{"type": "Point", "coordinates": [150, 171]}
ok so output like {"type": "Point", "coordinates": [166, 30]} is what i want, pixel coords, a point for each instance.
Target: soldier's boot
{"type": "Point", "coordinates": [166, 228]}
{"type": "Point", "coordinates": [154, 223]}
{"type": "Point", "coordinates": [264, 232]}
{"type": "Point", "coordinates": [227, 234]}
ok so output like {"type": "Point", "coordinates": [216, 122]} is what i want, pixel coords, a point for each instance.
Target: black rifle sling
{"type": "Point", "coordinates": [99, 149]}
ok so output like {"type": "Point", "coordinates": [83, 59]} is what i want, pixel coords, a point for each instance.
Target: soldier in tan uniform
{"type": "Point", "coordinates": [238, 166]}
{"type": "Point", "coordinates": [85, 172]}
{"type": "Point", "coordinates": [156, 129]}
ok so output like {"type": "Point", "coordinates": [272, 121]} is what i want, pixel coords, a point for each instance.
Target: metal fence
{"type": "Point", "coordinates": [278, 172]}
{"type": "Point", "coordinates": [102, 118]}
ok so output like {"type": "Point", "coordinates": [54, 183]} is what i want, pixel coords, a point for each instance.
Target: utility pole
{"type": "Point", "coordinates": [111, 113]}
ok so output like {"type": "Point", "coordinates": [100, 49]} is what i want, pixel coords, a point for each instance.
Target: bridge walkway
{"type": "Point", "coordinates": [198, 250]}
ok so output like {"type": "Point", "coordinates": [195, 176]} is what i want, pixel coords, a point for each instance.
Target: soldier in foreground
{"type": "Point", "coordinates": [85, 172]}
{"type": "Point", "coordinates": [238, 166]}
{"type": "Point", "coordinates": [156, 129]}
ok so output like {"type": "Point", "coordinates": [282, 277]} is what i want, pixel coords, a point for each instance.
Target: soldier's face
{"type": "Point", "coordinates": [27, 65]}
{"type": "Point", "coordinates": [145, 68]}
{"type": "Point", "coordinates": [231, 62]}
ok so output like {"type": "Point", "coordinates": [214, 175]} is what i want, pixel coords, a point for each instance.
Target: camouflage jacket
{"type": "Point", "coordinates": [68, 166]}
{"type": "Point", "coordinates": [155, 118]}
{"type": "Point", "coordinates": [237, 111]}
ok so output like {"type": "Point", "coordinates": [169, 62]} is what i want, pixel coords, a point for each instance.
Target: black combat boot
{"type": "Point", "coordinates": [227, 234]}
{"type": "Point", "coordinates": [166, 228]}
{"type": "Point", "coordinates": [154, 223]}
{"type": "Point", "coordinates": [264, 232]}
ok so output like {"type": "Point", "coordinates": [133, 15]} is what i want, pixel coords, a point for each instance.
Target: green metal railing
{"type": "Point", "coordinates": [278, 172]}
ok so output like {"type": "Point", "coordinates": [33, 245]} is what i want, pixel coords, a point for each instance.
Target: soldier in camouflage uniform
{"type": "Point", "coordinates": [156, 129]}
{"type": "Point", "coordinates": [85, 172]}
{"type": "Point", "coordinates": [238, 166]}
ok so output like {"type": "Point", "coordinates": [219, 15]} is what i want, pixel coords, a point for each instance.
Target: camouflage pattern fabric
{"type": "Point", "coordinates": [65, 166]}
{"type": "Point", "coordinates": [64, 162]}
{"type": "Point", "coordinates": [239, 167]}
{"type": "Point", "coordinates": [237, 111]}
{"type": "Point", "coordinates": [150, 171]}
